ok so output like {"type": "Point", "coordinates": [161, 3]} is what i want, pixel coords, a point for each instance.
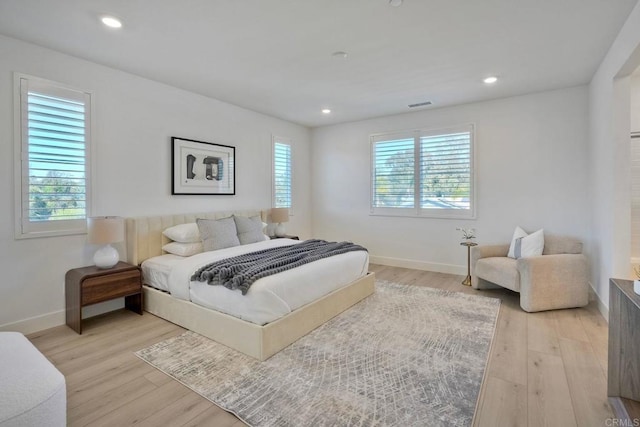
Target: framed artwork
{"type": "Point", "coordinates": [202, 167]}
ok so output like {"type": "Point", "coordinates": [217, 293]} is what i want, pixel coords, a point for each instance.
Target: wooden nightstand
{"type": "Point", "coordinates": [286, 236]}
{"type": "Point", "coordinates": [90, 285]}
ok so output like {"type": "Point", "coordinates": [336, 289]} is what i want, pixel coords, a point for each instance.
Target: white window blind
{"type": "Point", "coordinates": [281, 173]}
{"type": "Point", "coordinates": [54, 151]}
{"type": "Point", "coordinates": [423, 173]}
{"type": "Point", "coordinates": [394, 174]}
{"type": "Point", "coordinates": [445, 171]}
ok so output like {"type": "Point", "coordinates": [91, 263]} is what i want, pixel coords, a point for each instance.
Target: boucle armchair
{"type": "Point", "coordinates": [556, 279]}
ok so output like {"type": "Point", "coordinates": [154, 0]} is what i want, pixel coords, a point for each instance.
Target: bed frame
{"type": "Point", "coordinates": [145, 240]}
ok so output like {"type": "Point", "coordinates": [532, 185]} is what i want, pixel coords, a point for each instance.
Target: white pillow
{"type": "Point", "coordinates": [518, 233]}
{"type": "Point", "coordinates": [183, 233]}
{"type": "Point", "coordinates": [525, 245]}
{"type": "Point", "coordinates": [183, 249]}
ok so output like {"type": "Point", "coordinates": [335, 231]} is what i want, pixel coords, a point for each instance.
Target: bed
{"type": "Point", "coordinates": [261, 341]}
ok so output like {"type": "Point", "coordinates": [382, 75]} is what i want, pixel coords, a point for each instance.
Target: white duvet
{"type": "Point", "coordinates": [269, 298]}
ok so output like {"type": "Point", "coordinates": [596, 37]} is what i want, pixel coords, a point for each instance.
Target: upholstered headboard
{"type": "Point", "coordinates": [144, 234]}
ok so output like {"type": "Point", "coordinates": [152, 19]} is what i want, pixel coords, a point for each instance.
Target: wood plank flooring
{"type": "Point", "coordinates": [545, 369]}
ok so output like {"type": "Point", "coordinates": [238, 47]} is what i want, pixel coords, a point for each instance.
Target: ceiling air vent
{"type": "Point", "coordinates": [420, 104]}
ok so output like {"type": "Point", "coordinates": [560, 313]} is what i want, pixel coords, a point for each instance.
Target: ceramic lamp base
{"type": "Point", "coordinates": [280, 231]}
{"type": "Point", "coordinates": [106, 257]}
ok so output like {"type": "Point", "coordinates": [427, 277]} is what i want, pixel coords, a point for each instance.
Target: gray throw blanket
{"type": "Point", "coordinates": [241, 271]}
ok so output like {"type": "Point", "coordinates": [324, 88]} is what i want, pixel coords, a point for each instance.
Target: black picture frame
{"type": "Point", "coordinates": [202, 168]}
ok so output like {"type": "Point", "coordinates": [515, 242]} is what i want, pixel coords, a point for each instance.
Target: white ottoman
{"type": "Point", "coordinates": [32, 391]}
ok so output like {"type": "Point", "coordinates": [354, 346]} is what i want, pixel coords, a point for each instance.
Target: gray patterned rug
{"type": "Point", "coordinates": [405, 356]}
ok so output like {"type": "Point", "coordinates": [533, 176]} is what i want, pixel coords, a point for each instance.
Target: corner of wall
{"type": "Point", "coordinates": [602, 307]}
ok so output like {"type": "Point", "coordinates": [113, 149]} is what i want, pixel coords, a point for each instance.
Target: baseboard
{"type": "Point", "coordinates": [419, 265]}
{"type": "Point", "coordinates": [602, 307]}
{"type": "Point", "coordinates": [37, 323]}
{"type": "Point", "coordinates": [58, 318]}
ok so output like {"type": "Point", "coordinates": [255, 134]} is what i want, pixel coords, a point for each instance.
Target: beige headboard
{"type": "Point", "coordinates": [144, 234]}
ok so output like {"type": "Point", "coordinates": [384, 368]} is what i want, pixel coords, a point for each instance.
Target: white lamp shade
{"type": "Point", "coordinates": [103, 230]}
{"type": "Point", "coordinates": [279, 215]}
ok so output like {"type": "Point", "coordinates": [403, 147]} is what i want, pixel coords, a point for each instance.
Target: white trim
{"type": "Point", "coordinates": [58, 318]}
{"type": "Point", "coordinates": [288, 141]}
{"type": "Point", "coordinates": [47, 228]}
{"type": "Point", "coordinates": [17, 159]}
{"type": "Point", "coordinates": [417, 211]}
{"type": "Point", "coordinates": [460, 270]}
{"type": "Point", "coordinates": [602, 307]}
{"type": "Point", "coordinates": [36, 323]}
{"type": "Point", "coordinates": [424, 213]}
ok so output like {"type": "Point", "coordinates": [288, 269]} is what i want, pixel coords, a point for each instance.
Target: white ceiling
{"type": "Point", "coordinates": [274, 56]}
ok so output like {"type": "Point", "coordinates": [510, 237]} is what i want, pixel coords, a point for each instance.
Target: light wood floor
{"type": "Point", "coordinates": [545, 369]}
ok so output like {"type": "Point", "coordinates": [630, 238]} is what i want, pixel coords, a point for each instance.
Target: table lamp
{"type": "Point", "coordinates": [104, 230]}
{"type": "Point", "coordinates": [280, 215]}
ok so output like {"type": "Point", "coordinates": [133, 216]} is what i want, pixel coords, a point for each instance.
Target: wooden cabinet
{"type": "Point", "coordinates": [286, 236]}
{"type": "Point", "coordinates": [624, 351]}
{"type": "Point", "coordinates": [90, 285]}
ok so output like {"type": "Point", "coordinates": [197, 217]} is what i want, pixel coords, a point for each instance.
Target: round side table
{"type": "Point", "coordinates": [467, 280]}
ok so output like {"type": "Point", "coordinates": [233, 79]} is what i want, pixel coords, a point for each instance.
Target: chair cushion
{"type": "Point", "coordinates": [502, 271]}
{"type": "Point", "coordinates": [32, 390]}
{"type": "Point", "coordinates": [561, 245]}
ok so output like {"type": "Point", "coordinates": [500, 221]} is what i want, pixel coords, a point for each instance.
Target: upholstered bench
{"type": "Point", "coordinates": [32, 391]}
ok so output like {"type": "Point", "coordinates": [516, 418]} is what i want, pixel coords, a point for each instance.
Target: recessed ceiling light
{"type": "Point", "coordinates": [111, 22]}
{"type": "Point", "coordinates": [490, 80]}
{"type": "Point", "coordinates": [395, 3]}
{"type": "Point", "coordinates": [326, 111]}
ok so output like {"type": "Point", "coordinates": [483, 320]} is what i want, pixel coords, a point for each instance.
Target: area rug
{"type": "Point", "coordinates": [405, 356]}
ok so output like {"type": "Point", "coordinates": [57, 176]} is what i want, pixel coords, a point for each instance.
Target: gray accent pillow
{"type": "Point", "coordinates": [218, 233]}
{"type": "Point", "coordinates": [249, 229]}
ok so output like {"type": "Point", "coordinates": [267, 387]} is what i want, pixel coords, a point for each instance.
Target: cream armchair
{"type": "Point", "coordinates": [556, 279]}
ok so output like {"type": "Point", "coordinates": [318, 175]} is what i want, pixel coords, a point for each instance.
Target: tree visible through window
{"type": "Point", "coordinates": [394, 173]}
{"type": "Point", "coordinates": [281, 173]}
{"type": "Point", "coordinates": [54, 147]}
{"type": "Point", "coordinates": [56, 135]}
{"type": "Point", "coordinates": [423, 173]}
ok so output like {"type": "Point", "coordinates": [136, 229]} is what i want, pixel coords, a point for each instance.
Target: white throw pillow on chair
{"type": "Point", "coordinates": [525, 245]}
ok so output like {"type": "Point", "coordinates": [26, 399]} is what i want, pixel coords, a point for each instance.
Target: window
{"type": "Point", "coordinates": [281, 173]}
{"type": "Point", "coordinates": [423, 173]}
{"type": "Point", "coordinates": [52, 158]}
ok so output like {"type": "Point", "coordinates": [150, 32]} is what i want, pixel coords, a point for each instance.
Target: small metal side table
{"type": "Point", "coordinates": [467, 280]}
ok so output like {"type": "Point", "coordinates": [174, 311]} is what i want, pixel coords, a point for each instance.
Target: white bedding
{"type": "Point", "coordinates": [269, 298]}
{"type": "Point", "coordinates": [156, 270]}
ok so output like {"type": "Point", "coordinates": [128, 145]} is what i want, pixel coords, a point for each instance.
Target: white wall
{"type": "Point", "coordinates": [635, 168]}
{"type": "Point", "coordinates": [609, 165]}
{"type": "Point", "coordinates": [635, 101]}
{"type": "Point", "coordinates": [531, 170]}
{"type": "Point", "coordinates": [135, 119]}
